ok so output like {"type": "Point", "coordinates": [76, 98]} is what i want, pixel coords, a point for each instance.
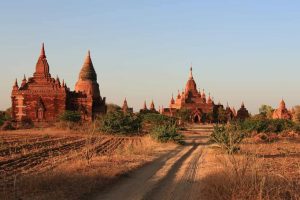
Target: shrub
{"type": "Point", "coordinates": [184, 115]}
{"type": "Point", "coordinates": [26, 123]}
{"type": "Point", "coordinates": [113, 107]}
{"type": "Point", "coordinates": [166, 133]}
{"type": "Point", "coordinates": [266, 125]}
{"type": "Point", "coordinates": [4, 116]}
{"type": "Point", "coordinates": [70, 116]}
{"type": "Point", "coordinates": [7, 125]}
{"type": "Point", "coordinates": [228, 138]}
{"type": "Point", "coordinates": [151, 120]}
{"type": "Point", "coordinates": [119, 122]}
{"type": "Point", "coordinates": [266, 111]}
{"type": "Point", "coordinates": [157, 119]}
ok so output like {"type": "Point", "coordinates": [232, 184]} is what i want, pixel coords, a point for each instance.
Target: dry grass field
{"type": "Point", "coordinates": [52, 164]}
{"type": "Point", "coordinates": [260, 171]}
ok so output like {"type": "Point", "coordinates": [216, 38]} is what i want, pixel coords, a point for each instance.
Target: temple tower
{"type": "Point", "coordinates": [42, 66]}
{"type": "Point", "coordinates": [282, 112]}
{"type": "Point", "coordinates": [87, 81]}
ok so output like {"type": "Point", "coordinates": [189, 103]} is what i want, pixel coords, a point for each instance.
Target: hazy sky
{"type": "Point", "coordinates": [241, 50]}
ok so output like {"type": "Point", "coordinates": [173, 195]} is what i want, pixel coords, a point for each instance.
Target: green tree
{"type": "Point", "coordinates": [112, 107]}
{"type": "Point", "coordinates": [184, 114]}
{"type": "Point", "coordinates": [266, 111]}
{"type": "Point", "coordinates": [222, 115]}
{"type": "Point", "coordinates": [210, 117]}
{"type": "Point", "coordinates": [120, 123]}
{"type": "Point", "coordinates": [70, 116]}
{"type": "Point", "coordinates": [165, 133]}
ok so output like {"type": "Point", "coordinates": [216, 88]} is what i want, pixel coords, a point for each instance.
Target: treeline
{"type": "Point", "coordinates": [115, 121]}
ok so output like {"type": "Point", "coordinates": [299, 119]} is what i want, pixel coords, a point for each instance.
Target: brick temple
{"type": "Point", "coordinates": [201, 107]}
{"type": "Point", "coordinates": [282, 112]}
{"type": "Point", "coordinates": [42, 98]}
{"type": "Point", "coordinates": [191, 99]}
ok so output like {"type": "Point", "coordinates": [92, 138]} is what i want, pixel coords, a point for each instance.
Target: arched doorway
{"type": "Point", "coordinates": [196, 119]}
{"type": "Point", "coordinates": [40, 114]}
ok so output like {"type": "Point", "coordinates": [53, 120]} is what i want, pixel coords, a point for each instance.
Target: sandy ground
{"type": "Point", "coordinates": [174, 175]}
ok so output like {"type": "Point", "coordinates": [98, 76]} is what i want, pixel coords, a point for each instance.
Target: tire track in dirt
{"type": "Point", "coordinates": [175, 175]}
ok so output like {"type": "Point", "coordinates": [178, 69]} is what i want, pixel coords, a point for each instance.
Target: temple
{"type": "Point", "coordinates": [242, 113]}
{"type": "Point", "coordinates": [282, 112]}
{"type": "Point", "coordinates": [190, 99]}
{"type": "Point", "coordinates": [126, 108]}
{"type": "Point", "coordinates": [42, 98]}
{"type": "Point", "coordinates": [151, 109]}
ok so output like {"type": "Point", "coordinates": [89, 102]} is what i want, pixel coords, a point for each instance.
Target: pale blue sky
{"type": "Point", "coordinates": [241, 50]}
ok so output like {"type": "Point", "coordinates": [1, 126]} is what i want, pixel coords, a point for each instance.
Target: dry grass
{"type": "Point", "coordinates": [261, 171]}
{"type": "Point", "coordinates": [78, 178]}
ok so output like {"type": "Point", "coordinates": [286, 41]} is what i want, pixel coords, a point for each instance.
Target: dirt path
{"type": "Point", "coordinates": [174, 175]}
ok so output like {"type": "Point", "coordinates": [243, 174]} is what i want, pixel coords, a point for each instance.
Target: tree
{"type": "Point", "coordinates": [210, 117]}
{"type": "Point", "coordinates": [266, 111]}
{"type": "Point", "coordinates": [222, 115]}
{"type": "Point", "coordinates": [120, 123]}
{"type": "Point", "coordinates": [184, 114]}
{"type": "Point", "coordinates": [112, 107]}
{"type": "Point", "coordinates": [70, 116]}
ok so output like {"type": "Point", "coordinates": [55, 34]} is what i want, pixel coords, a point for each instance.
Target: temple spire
{"type": "Point", "coordinates": [87, 71]}
{"type": "Point", "coordinates": [125, 106]}
{"type": "Point", "coordinates": [152, 107]}
{"type": "Point", "coordinates": [191, 71]}
{"type": "Point", "coordinates": [43, 54]}
{"type": "Point", "coordinates": [88, 57]}
{"type": "Point", "coordinates": [145, 106]}
{"type": "Point", "coordinates": [42, 66]}
{"type": "Point", "coordinates": [16, 86]}
{"type": "Point", "coordinates": [16, 83]}
{"type": "Point", "coordinates": [23, 81]}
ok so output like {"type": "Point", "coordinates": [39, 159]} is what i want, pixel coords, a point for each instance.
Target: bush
{"type": "Point", "coordinates": [4, 116]}
{"type": "Point", "coordinates": [228, 138]}
{"type": "Point", "coordinates": [70, 116]}
{"type": "Point", "coordinates": [266, 125]}
{"type": "Point", "coordinates": [184, 115]}
{"type": "Point", "coordinates": [113, 108]}
{"type": "Point", "coordinates": [119, 122]}
{"type": "Point", "coordinates": [26, 123]}
{"type": "Point", "coordinates": [151, 120]}
{"type": "Point", "coordinates": [157, 119]}
{"type": "Point", "coordinates": [7, 125]}
{"type": "Point", "coordinates": [166, 133]}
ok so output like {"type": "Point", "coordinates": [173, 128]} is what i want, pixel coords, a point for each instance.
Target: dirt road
{"type": "Point", "coordinates": [174, 175]}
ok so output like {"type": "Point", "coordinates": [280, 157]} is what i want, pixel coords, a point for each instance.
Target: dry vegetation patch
{"type": "Point", "coordinates": [259, 171]}
{"type": "Point", "coordinates": [67, 165]}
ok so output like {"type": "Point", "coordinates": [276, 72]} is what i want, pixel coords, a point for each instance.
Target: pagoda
{"type": "Point", "coordinates": [282, 112]}
{"type": "Point", "coordinates": [42, 98]}
{"type": "Point", "coordinates": [190, 99]}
